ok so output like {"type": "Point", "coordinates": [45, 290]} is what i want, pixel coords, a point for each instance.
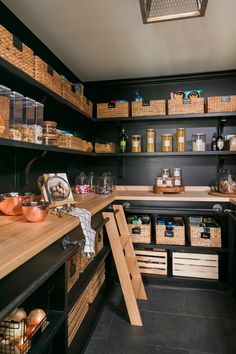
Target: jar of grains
{"type": "Point", "coordinates": [150, 140]}
{"type": "Point", "coordinates": [136, 143]}
{"type": "Point", "coordinates": [167, 142]}
{"type": "Point", "coordinates": [180, 140]}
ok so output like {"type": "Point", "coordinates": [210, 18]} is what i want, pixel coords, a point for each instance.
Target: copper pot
{"type": "Point", "coordinates": [35, 211]}
{"type": "Point", "coordinates": [10, 203]}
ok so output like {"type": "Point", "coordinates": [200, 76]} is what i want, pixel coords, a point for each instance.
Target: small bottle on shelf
{"type": "Point", "coordinates": [123, 141]}
{"type": "Point", "coordinates": [213, 143]}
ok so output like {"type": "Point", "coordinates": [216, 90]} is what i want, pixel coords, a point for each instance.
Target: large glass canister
{"type": "Point", "coordinates": [199, 142]}
{"type": "Point", "coordinates": [82, 184]}
{"type": "Point", "coordinates": [167, 143]}
{"type": "Point", "coordinates": [39, 111]}
{"type": "Point", "coordinates": [16, 108]}
{"type": "Point", "coordinates": [150, 140]}
{"type": "Point", "coordinates": [227, 183]}
{"type": "Point", "coordinates": [4, 109]}
{"type": "Point", "coordinates": [92, 181]}
{"type": "Point", "coordinates": [105, 184]}
{"type": "Point", "coordinates": [136, 143]}
{"type": "Point", "coordinates": [180, 141]}
{"type": "Point", "coordinates": [28, 111]}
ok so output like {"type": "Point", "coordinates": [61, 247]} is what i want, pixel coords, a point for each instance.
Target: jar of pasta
{"type": "Point", "coordinates": [167, 143]}
{"type": "Point", "coordinates": [136, 143]}
{"type": "Point", "coordinates": [180, 140]}
{"type": "Point", "coordinates": [150, 140]}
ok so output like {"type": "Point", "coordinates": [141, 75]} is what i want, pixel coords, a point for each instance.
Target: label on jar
{"type": "Point", "coordinates": [177, 182]}
{"type": "Point", "coordinates": [150, 141]}
{"type": "Point", "coordinates": [181, 139]}
{"type": "Point", "coordinates": [159, 182]}
{"type": "Point", "coordinates": [169, 183]}
{"type": "Point", "coordinates": [166, 143]}
{"type": "Point", "coordinates": [135, 144]}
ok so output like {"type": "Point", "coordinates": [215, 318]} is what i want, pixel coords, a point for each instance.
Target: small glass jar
{"type": "Point", "coordinates": [159, 181]}
{"type": "Point", "coordinates": [167, 143]}
{"type": "Point", "coordinates": [150, 140]}
{"type": "Point", "coordinates": [165, 173]}
{"type": "Point", "coordinates": [199, 142]}
{"type": "Point", "coordinates": [180, 140]}
{"type": "Point", "coordinates": [170, 182]}
{"type": "Point", "coordinates": [227, 183]}
{"type": "Point", "coordinates": [49, 127]}
{"type": "Point", "coordinates": [177, 172]}
{"type": "Point", "coordinates": [177, 181]}
{"type": "Point", "coordinates": [136, 143]}
{"type": "Point", "coordinates": [82, 184]}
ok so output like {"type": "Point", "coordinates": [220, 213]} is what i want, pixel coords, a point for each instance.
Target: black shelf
{"type": "Point", "coordinates": [217, 116]}
{"type": "Point", "coordinates": [34, 83]}
{"type": "Point", "coordinates": [55, 319]}
{"type": "Point", "coordinates": [86, 276]}
{"type": "Point", "coordinates": [191, 249]}
{"type": "Point", "coordinates": [164, 154]}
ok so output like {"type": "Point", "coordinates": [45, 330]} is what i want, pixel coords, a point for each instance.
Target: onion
{"type": "Point", "coordinates": [30, 330]}
{"type": "Point", "coordinates": [35, 317]}
{"type": "Point", "coordinates": [17, 315]}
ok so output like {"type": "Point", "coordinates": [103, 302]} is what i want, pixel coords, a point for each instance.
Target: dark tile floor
{"type": "Point", "coordinates": [175, 321]}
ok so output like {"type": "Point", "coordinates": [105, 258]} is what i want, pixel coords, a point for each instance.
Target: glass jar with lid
{"type": "Point", "coordinates": [136, 143]}
{"type": "Point", "coordinates": [227, 183]}
{"type": "Point", "coordinates": [199, 142]}
{"type": "Point", "coordinates": [82, 184]}
{"type": "Point", "coordinates": [104, 184]}
{"type": "Point", "coordinates": [92, 181]}
{"type": "Point", "coordinates": [150, 140]}
{"type": "Point", "coordinates": [167, 143]}
{"type": "Point", "coordinates": [180, 140]}
{"type": "Point", "coordinates": [165, 173]}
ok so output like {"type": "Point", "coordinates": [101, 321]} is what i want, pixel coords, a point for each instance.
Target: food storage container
{"type": "Point", "coordinates": [39, 111]}
{"type": "Point", "coordinates": [105, 184]}
{"type": "Point", "coordinates": [49, 127]}
{"type": "Point", "coordinates": [199, 142]}
{"type": "Point", "coordinates": [180, 140]}
{"type": "Point", "coordinates": [82, 184]}
{"type": "Point", "coordinates": [167, 142]}
{"type": "Point", "coordinates": [227, 183]}
{"type": "Point", "coordinates": [28, 111]}
{"type": "Point", "coordinates": [136, 143]}
{"type": "Point", "coordinates": [150, 140]}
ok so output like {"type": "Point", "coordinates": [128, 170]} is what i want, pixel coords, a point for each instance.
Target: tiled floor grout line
{"type": "Point", "coordinates": [216, 338]}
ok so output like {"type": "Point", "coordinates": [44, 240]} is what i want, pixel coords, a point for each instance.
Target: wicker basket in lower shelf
{"type": "Point", "coordinates": [152, 261]}
{"type": "Point", "coordinates": [176, 236]}
{"type": "Point", "coordinates": [140, 233]}
{"type": "Point", "coordinates": [77, 314]}
{"type": "Point", "coordinates": [205, 236]}
{"type": "Point", "coordinates": [95, 283]}
{"type": "Point", "coordinates": [196, 265]}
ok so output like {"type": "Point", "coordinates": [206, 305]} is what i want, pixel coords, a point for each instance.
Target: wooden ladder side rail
{"type": "Point", "coordinates": [122, 269]}
{"type": "Point", "coordinates": [129, 252]}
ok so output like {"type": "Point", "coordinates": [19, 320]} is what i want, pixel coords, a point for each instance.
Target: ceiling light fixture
{"type": "Point", "coordinates": [167, 10]}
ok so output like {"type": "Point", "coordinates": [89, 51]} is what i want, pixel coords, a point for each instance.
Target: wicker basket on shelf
{"type": "Point", "coordinates": [153, 108]}
{"type": "Point", "coordinates": [113, 110]}
{"type": "Point", "coordinates": [86, 106]}
{"type": "Point", "coordinates": [175, 236]}
{"type": "Point", "coordinates": [16, 52]}
{"type": "Point", "coordinates": [221, 104]}
{"type": "Point", "coordinates": [69, 93]}
{"type": "Point", "coordinates": [189, 106]}
{"type": "Point", "coordinates": [205, 233]}
{"type": "Point", "coordinates": [47, 76]}
{"type": "Point", "coordinates": [140, 233]}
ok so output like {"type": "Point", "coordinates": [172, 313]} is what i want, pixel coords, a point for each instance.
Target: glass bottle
{"type": "Point", "coordinates": [82, 184]}
{"type": "Point", "coordinates": [213, 143]}
{"type": "Point", "coordinates": [123, 141]}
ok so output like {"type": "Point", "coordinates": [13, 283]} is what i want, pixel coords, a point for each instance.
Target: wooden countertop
{"type": "Point", "coordinates": [21, 240]}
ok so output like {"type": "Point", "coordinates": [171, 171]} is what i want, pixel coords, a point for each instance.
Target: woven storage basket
{"type": "Point", "coordinates": [86, 106]}
{"type": "Point", "coordinates": [174, 237]}
{"type": "Point", "coordinates": [152, 261]}
{"type": "Point", "coordinates": [194, 105]}
{"type": "Point", "coordinates": [4, 115]}
{"type": "Point", "coordinates": [110, 110]}
{"type": "Point", "coordinates": [140, 233]}
{"type": "Point", "coordinates": [205, 236]}
{"type": "Point", "coordinates": [73, 270]}
{"type": "Point", "coordinates": [221, 104]}
{"type": "Point", "coordinates": [105, 148]}
{"type": "Point", "coordinates": [99, 241]}
{"type": "Point", "coordinates": [47, 76]}
{"type": "Point", "coordinates": [83, 262]}
{"type": "Point", "coordinates": [153, 108]}
{"type": "Point", "coordinates": [69, 93]}
{"type": "Point", "coordinates": [16, 52]}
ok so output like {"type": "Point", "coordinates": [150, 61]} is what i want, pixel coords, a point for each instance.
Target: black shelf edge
{"type": "Point", "coordinates": [55, 319]}
{"type": "Point", "coordinates": [31, 81]}
{"type": "Point", "coordinates": [86, 276]}
{"type": "Point", "coordinates": [191, 249]}
{"type": "Point", "coordinates": [164, 154]}
{"type": "Point", "coordinates": [222, 115]}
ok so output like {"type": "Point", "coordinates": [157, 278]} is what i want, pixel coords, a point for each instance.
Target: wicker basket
{"type": "Point", "coordinates": [4, 115]}
{"type": "Point", "coordinates": [16, 52]}
{"type": "Point", "coordinates": [73, 270]}
{"type": "Point", "coordinates": [205, 236]}
{"type": "Point", "coordinates": [86, 106]}
{"type": "Point", "coordinates": [83, 262]}
{"type": "Point", "coordinates": [153, 108]}
{"type": "Point", "coordinates": [140, 233]}
{"type": "Point", "coordinates": [105, 148]}
{"type": "Point", "coordinates": [69, 93]}
{"type": "Point", "coordinates": [152, 261]}
{"type": "Point", "coordinates": [47, 76]}
{"type": "Point", "coordinates": [112, 110]}
{"type": "Point", "coordinates": [176, 236]}
{"type": "Point", "coordinates": [193, 105]}
{"type": "Point", "coordinates": [221, 104]}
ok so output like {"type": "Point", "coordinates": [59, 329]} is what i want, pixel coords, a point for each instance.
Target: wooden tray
{"type": "Point", "coordinates": [161, 190]}
{"type": "Point", "coordinates": [218, 194]}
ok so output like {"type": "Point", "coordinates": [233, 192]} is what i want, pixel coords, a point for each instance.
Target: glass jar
{"type": "Point", "coordinates": [49, 127]}
{"type": "Point", "coordinates": [82, 184]}
{"type": "Point", "coordinates": [199, 142]}
{"type": "Point", "coordinates": [177, 172]}
{"type": "Point", "coordinates": [180, 140]}
{"type": "Point", "coordinates": [136, 143]}
{"type": "Point", "coordinates": [170, 182]}
{"type": "Point", "coordinates": [165, 173]}
{"type": "Point", "coordinates": [167, 142]}
{"type": "Point", "coordinates": [227, 183]}
{"type": "Point", "coordinates": [104, 184]}
{"type": "Point", "coordinates": [159, 181]}
{"type": "Point", "coordinates": [150, 140]}
{"type": "Point", "coordinates": [92, 181]}
{"type": "Point", "coordinates": [177, 181]}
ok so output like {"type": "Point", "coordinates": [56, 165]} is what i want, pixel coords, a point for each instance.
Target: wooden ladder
{"type": "Point", "coordinates": [125, 261]}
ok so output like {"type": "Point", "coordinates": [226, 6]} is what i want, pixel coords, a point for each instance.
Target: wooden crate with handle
{"type": "Point", "coordinates": [152, 261]}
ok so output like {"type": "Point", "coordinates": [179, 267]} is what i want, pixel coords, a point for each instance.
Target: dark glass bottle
{"type": "Point", "coordinates": [220, 142]}
{"type": "Point", "coordinates": [123, 141]}
{"type": "Point", "coordinates": [213, 143]}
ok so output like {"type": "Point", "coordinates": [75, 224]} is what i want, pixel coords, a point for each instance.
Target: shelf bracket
{"type": "Point", "coordinates": [30, 163]}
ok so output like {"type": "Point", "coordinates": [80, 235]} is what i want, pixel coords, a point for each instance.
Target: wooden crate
{"type": "Point", "coordinates": [86, 106]}
{"type": "Point", "coordinates": [221, 104]}
{"type": "Point", "coordinates": [113, 110]}
{"type": "Point", "coordinates": [140, 233]}
{"type": "Point", "coordinates": [47, 76]}
{"type": "Point", "coordinates": [179, 106]}
{"type": "Point", "coordinates": [95, 283]}
{"type": "Point", "coordinates": [196, 265]}
{"type": "Point", "coordinates": [152, 261]}
{"type": "Point", "coordinates": [73, 270]}
{"type": "Point", "coordinates": [16, 52]}
{"type": "Point", "coordinates": [153, 108]}
{"type": "Point", "coordinates": [174, 237]}
{"type": "Point", "coordinates": [77, 314]}
{"type": "Point", "coordinates": [69, 93]}
{"type": "Point", "coordinates": [205, 236]}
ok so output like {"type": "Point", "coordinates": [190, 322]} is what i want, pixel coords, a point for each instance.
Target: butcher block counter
{"type": "Point", "coordinates": [21, 240]}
